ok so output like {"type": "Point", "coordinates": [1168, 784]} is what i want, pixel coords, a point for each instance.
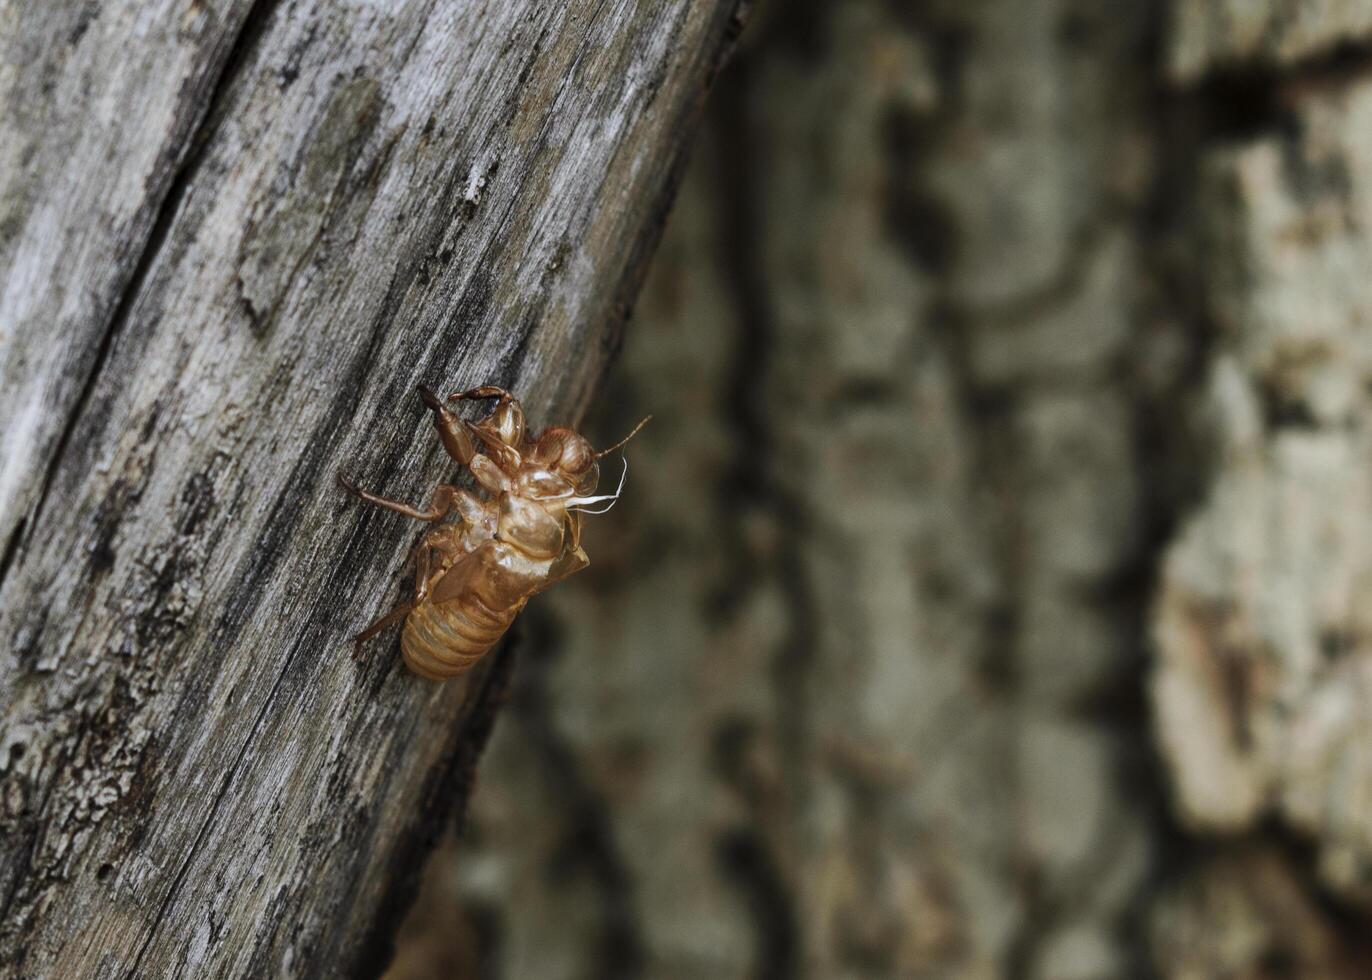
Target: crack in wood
{"type": "Point", "coordinates": [196, 140]}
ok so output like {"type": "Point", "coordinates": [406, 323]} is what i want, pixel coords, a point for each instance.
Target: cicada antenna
{"type": "Point", "coordinates": [622, 442]}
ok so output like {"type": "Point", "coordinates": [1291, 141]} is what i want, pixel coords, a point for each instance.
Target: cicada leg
{"type": "Point", "coordinates": [454, 433]}
{"type": "Point", "coordinates": [483, 391]}
{"type": "Point", "coordinates": [395, 615]}
{"type": "Point", "coordinates": [437, 542]}
{"type": "Point", "coordinates": [502, 431]}
{"type": "Point", "coordinates": [423, 566]}
{"type": "Point", "coordinates": [441, 504]}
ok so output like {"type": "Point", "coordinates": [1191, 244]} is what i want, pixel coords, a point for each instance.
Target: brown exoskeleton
{"type": "Point", "coordinates": [473, 577]}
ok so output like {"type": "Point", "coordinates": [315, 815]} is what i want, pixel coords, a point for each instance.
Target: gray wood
{"type": "Point", "coordinates": [80, 186]}
{"type": "Point", "coordinates": [231, 243]}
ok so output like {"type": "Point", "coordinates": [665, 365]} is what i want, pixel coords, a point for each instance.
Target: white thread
{"type": "Point", "coordinates": [579, 503]}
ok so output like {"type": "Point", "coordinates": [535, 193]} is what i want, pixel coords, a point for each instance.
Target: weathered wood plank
{"type": "Point", "coordinates": [196, 777]}
{"type": "Point", "coordinates": [97, 105]}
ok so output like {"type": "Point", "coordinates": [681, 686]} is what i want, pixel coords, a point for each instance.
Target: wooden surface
{"type": "Point", "coordinates": [233, 238]}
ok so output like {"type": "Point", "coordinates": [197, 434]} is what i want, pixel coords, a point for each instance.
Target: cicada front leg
{"type": "Point", "coordinates": [503, 431]}
{"type": "Point", "coordinates": [483, 391]}
{"type": "Point", "coordinates": [454, 433]}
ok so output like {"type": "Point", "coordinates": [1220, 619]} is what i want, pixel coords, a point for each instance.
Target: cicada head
{"type": "Point", "coordinates": [568, 456]}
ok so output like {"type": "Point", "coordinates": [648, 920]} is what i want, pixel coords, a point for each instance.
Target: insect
{"type": "Point", "coordinates": [473, 576]}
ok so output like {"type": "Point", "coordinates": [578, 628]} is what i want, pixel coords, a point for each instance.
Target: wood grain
{"type": "Point", "coordinates": [232, 241]}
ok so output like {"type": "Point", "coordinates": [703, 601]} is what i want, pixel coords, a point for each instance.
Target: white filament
{"type": "Point", "coordinates": [579, 503]}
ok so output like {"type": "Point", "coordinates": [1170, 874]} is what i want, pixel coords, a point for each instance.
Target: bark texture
{"type": "Point", "coordinates": [989, 594]}
{"type": "Point", "coordinates": [232, 240]}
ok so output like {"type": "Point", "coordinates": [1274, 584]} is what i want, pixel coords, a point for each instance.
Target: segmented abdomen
{"type": "Point", "coordinates": [442, 640]}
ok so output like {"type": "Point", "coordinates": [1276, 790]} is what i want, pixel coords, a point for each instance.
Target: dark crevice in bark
{"type": "Point", "coordinates": [987, 410]}
{"type": "Point", "coordinates": [753, 478]}
{"type": "Point", "coordinates": [746, 858]}
{"type": "Point", "coordinates": [988, 414]}
{"type": "Point", "coordinates": [11, 551]}
{"type": "Point", "coordinates": [751, 486]}
{"type": "Point", "coordinates": [1168, 454]}
{"type": "Point", "coordinates": [1036, 923]}
{"type": "Point", "coordinates": [1240, 100]}
{"type": "Point", "coordinates": [919, 217]}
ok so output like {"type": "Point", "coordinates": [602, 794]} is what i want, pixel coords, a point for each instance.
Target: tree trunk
{"type": "Point", "coordinates": [991, 598]}
{"type": "Point", "coordinates": [233, 237]}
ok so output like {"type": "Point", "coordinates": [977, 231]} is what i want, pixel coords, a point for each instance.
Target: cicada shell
{"type": "Point", "coordinates": [519, 533]}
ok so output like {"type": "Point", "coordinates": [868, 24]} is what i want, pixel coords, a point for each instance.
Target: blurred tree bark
{"type": "Point", "coordinates": [990, 594]}
{"type": "Point", "coordinates": [233, 236]}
